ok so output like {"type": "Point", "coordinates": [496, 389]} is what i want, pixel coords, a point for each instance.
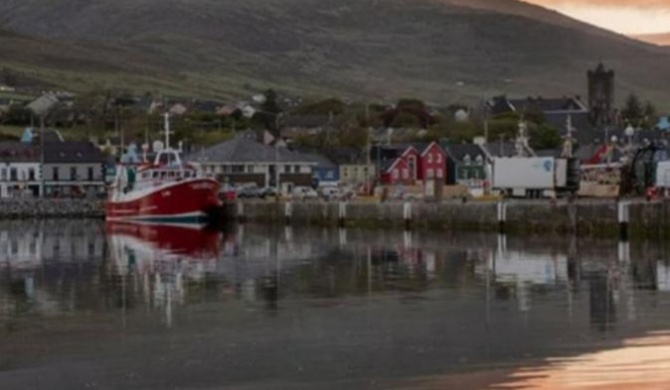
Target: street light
{"type": "Point", "coordinates": [277, 116]}
{"type": "Point", "coordinates": [41, 107]}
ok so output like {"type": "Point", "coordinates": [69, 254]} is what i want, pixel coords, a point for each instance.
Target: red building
{"type": "Point", "coordinates": [410, 164]}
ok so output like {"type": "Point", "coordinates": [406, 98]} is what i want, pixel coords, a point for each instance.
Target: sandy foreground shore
{"type": "Point", "coordinates": [639, 364]}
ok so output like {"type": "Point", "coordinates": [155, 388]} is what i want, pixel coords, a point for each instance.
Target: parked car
{"type": "Point", "coordinates": [267, 191]}
{"type": "Point", "coordinates": [248, 192]}
{"type": "Point", "coordinates": [330, 192]}
{"type": "Point", "coordinates": [304, 193]}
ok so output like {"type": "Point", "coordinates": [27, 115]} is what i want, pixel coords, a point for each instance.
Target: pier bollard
{"type": "Point", "coordinates": [624, 219]}
{"type": "Point", "coordinates": [502, 217]}
{"type": "Point", "coordinates": [342, 214]}
{"type": "Point", "coordinates": [241, 218]}
{"type": "Point", "coordinates": [407, 215]}
{"type": "Point", "coordinates": [288, 212]}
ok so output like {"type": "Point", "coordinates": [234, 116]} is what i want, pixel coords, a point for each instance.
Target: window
{"type": "Point", "coordinates": [73, 173]}
{"type": "Point", "coordinates": [31, 174]}
{"type": "Point", "coordinates": [13, 174]}
{"type": "Point", "coordinates": [296, 169]}
{"type": "Point", "coordinates": [287, 169]}
{"type": "Point", "coordinates": [238, 168]}
{"type": "Point", "coordinates": [3, 174]}
{"type": "Point", "coordinates": [430, 174]}
{"type": "Point", "coordinates": [395, 174]}
{"type": "Point", "coordinates": [411, 164]}
{"type": "Point", "coordinates": [430, 158]}
{"type": "Point", "coordinates": [345, 172]}
{"type": "Point", "coordinates": [439, 173]}
{"type": "Point", "coordinates": [405, 173]}
{"type": "Point", "coordinates": [91, 174]}
{"type": "Point", "coordinates": [438, 158]}
{"type": "Point", "coordinates": [250, 169]}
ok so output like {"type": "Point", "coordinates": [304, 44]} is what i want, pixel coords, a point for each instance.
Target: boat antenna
{"type": "Point", "coordinates": [167, 130]}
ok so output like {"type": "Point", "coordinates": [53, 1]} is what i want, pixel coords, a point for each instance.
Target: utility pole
{"type": "Point", "coordinates": [42, 155]}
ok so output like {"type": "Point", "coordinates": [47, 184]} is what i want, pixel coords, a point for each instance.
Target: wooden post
{"type": "Point", "coordinates": [624, 219]}
{"type": "Point", "coordinates": [502, 217]}
{"type": "Point", "coordinates": [241, 218]}
{"type": "Point", "coordinates": [342, 214]}
{"type": "Point", "coordinates": [407, 215]}
{"type": "Point", "coordinates": [288, 212]}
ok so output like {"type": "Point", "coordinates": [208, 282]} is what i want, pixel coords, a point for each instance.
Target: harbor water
{"type": "Point", "coordinates": [84, 305]}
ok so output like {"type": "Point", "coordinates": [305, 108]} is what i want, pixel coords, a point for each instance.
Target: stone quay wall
{"type": "Point", "coordinates": [51, 208]}
{"type": "Point", "coordinates": [589, 218]}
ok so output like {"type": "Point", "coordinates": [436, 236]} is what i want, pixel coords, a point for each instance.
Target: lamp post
{"type": "Point", "coordinates": [41, 107]}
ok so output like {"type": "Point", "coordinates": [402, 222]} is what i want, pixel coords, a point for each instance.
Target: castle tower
{"type": "Point", "coordinates": [601, 95]}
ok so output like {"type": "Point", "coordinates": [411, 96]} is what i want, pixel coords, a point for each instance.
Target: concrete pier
{"type": "Point", "coordinates": [586, 217]}
{"type": "Point", "coordinates": [51, 208]}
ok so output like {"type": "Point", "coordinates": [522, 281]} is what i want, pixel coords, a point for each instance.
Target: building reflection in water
{"type": "Point", "coordinates": [57, 266]}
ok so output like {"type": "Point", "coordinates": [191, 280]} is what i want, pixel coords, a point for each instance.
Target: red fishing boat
{"type": "Point", "coordinates": [165, 190]}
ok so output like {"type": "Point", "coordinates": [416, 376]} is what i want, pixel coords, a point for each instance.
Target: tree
{"type": "Point", "coordinates": [269, 113]}
{"type": "Point", "coordinates": [544, 137]}
{"type": "Point", "coordinates": [633, 110]}
{"type": "Point", "coordinates": [409, 104]}
{"type": "Point", "coordinates": [324, 107]}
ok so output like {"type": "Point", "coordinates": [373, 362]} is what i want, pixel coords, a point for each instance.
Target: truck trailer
{"type": "Point", "coordinates": [535, 177]}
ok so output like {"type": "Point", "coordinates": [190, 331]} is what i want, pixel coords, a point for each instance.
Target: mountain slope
{"type": "Point", "coordinates": [656, 39]}
{"type": "Point", "coordinates": [440, 50]}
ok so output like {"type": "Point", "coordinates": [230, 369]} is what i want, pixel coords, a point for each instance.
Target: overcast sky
{"type": "Point", "coordinates": [624, 16]}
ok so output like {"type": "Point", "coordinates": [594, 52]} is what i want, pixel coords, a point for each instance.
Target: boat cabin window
{"type": "Point", "coordinates": [156, 174]}
{"type": "Point", "coordinates": [171, 175]}
{"type": "Point", "coordinates": [167, 159]}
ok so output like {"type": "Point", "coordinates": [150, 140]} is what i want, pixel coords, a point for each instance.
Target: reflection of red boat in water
{"type": "Point", "coordinates": [185, 240]}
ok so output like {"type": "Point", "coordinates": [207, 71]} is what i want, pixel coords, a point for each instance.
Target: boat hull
{"type": "Point", "coordinates": [181, 202]}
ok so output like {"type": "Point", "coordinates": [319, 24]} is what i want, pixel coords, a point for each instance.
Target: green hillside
{"type": "Point", "coordinates": [437, 50]}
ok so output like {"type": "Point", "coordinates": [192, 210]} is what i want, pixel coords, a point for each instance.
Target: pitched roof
{"type": "Point", "coordinates": [12, 151]}
{"type": "Point", "coordinates": [243, 149]}
{"type": "Point", "coordinates": [73, 152]}
{"type": "Point", "coordinates": [347, 155]}
{"type": "Point", "coordinates": [548, 105]}
{"type": "Point", "coordinates": [321, 161]}
{"type": "Point", "coordinates": [500, 149]}
{"type": "Point", "coordinates": [457, 152]}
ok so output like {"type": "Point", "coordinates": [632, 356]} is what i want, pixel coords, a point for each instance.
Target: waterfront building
{"type": "Point", "coordinates": [73, 168]}
{"type": "Point", "coordinates": [410, 164]}
{"type": "Point", "coordinates": [466, 165]}
{"type": "Point", "coordinates": [354, 167]}
{"type": "Point", "coordinates": [19, 170]}
{"type": "Point", "coordinates": [244, 160]}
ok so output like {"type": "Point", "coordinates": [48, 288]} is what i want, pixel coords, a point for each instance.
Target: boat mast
{"type": "Point", "coordinates": [167, 130]}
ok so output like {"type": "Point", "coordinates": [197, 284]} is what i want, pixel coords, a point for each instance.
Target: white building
{"type": "Point", "coordinates": [243, 160]}
{"type": "Point", "coordinates": [20, 172]}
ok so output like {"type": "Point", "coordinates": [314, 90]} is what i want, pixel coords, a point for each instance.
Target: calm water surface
{"type": "Point", "coordinates": [89, 306]}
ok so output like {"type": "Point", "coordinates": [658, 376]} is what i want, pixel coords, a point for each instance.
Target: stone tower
{"type": "Point", "coordinates": [601, 95]}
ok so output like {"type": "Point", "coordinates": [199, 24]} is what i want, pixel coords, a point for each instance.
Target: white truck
{"type": "Point", "coordinates": [535, 177]}
{"type": "Point", "coordinates": [663, 175]}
